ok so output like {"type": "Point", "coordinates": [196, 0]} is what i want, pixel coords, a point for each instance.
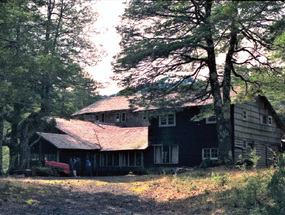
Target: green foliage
{"type": "Point", "coordinates": [276, 187]}
{"type": "Point", "coordinates": [41, 45]}
{"type": "Point", "coordinates": [43, 171]}
{"type": "Point", "coordinates": [247, 194]}
{"type": "Point", "coordinates": [251, 161]}
{"type": "Point", "coordinates": [254, 158]}
{"type": "Point", "coordinates": [5, 158]}
{"type": "Point", "coordinates": [220, 179]}
{"type": "Point", "coordinates": [170, 51]}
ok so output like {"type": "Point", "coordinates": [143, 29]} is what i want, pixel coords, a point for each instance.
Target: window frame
{"type": "Point", "coordinates": [244, 144]}
{"type": "Point", "coordinates": [122, 159]}
{"type": "Point", "coordinates": [244, 115]}
{"type": "Point", "coordinates": [102, 117]}
{"type": "Point", "coordinates": [172, 159]}
{"type": "Point", "coordinates": [97, 118]}
{"type": "Point", "coordinates": [123, 117]}
{"type": "Point", "coordinates": [117, 117]}
{"type": "Point", "coordinates": [210, 153]}
{"type": "Point", "coordinates": [167, 120]}
{"type": "Point", "coordinates": [270, 120]}
{"type": "Point", "coordinates": [208, 121]}
{"type": "Point", "coordinates": [263, 119]}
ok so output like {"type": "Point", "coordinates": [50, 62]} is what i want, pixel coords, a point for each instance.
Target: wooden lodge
{"type": "Point", "coordinates": [119, 139]}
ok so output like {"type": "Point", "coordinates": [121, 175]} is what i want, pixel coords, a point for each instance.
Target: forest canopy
{"type": "Point", "coordinates": [43, 48]}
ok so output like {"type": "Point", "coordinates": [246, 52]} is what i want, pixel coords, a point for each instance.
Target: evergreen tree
{"type": "Point", "coordinates": [42, 43]}
{"type": "Point", "coordinates": [183, 40]}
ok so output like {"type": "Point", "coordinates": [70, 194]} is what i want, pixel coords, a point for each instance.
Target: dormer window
{"type": "Point", "coordinates": [118, 118]}
{"type": "Point", "coordinates": [124, 117]}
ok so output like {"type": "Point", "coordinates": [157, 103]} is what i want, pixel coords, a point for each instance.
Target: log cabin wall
{"type": "Point", "coordinates": [122, 118]}
{"type": "Point", "coordinates": [255, 128]}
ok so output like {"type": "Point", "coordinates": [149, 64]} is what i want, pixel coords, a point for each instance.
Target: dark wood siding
{"type": "Point", "coordinates": [191, 137]}
{"type": "Point", "coordinates": [257, 134]}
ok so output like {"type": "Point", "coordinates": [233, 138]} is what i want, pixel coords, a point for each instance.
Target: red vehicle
{"type": "Point", "coordinates": [58, 167]}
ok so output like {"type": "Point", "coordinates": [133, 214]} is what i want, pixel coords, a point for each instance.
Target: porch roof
{"type": "Point", "coordinates": [104, 137]}
{"type": "Point", "coordinates": [64, 141]}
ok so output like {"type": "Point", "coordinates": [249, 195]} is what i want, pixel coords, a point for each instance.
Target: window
{"type": "Point", "coordinates": [50, 157]}
{"type": "Point", "coordinates": [210, 153]}
{"type": "Point", "coordinates": [118, 117]}
{"type": "Point", "coordinates": [116, 158]}
{"type": "Point", "coordinates": [97, 118]}
{"type": "Point", "coordinates": [109, 159]}
{"type": "Point", "coordinates": [123, 117]}
{"type": "Point", "coordinates": [263, 119]}
{"type": "Point", "coordinates": [166, 154]}
{"type": "Point", "coordinates": [270, 120]}
{"type": "Point", "coordinates": [244, 144]}
{"type": "Point", "coordinates": [211, 120]}
{"type": "Point", "coordinates": [244, 114]}
{"type": "Point", "coordinates": [35, 157]}
{"type": "Point", "coordinates": [122, 159]}
{"type": "Point", "coordinates": [167, 120]}
{"type": "Point", "coordinates": [102, 117]}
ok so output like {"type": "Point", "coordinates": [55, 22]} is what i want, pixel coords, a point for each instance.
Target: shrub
{"type": "Point", "coordinates": [43, 171]}
{"type": "Point", "coordinates": [276, 187]}
{"type": "Point", "coordinates": [220, 179]}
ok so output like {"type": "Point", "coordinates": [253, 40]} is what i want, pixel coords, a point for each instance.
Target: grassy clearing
{"type": "Point", "coordinates": [213, 191]}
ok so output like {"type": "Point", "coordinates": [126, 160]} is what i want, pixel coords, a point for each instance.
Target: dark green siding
{"type": "Point", "coordinates": [191, 137]}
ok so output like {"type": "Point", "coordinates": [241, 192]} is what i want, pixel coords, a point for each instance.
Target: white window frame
{"type": "Point", "coordinates": [211, 120]}
{"type": "Point", "coordinates": [211, 153]}
{"type": "Point", "coordinates": [166, 116]}
{"type": "Point", "coordinates": [159, 156]}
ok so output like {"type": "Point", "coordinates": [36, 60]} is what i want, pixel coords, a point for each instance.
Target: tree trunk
{"type": "Point", "coordinates": [1, 139]}
{"type": "Point", "coordinates": [222, 109]}
{"type": "Point", "coordinates": [24, 147]}
{"type": "Point", "coordinates": [14, 144]}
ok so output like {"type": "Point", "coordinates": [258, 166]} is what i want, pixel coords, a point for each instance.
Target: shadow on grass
{"type": "Point", "coordinates": [33, 197]}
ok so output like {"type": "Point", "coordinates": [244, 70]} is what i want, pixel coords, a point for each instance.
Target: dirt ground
{"type": "Point", "coordinates": [97, 195]}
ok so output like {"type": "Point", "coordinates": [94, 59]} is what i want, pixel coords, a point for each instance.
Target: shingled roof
{"type": "Point", "coordinates": [64, 141]}
{"type": "Point", "coordinates": [108, 104]}
{"type": "Point", "coordinates": [99, 136]}
{"type": "Point", "coordinates": [122, 103]}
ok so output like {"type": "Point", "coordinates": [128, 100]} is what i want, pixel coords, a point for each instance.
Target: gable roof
{"type": "Point", "coordinates": [98, 136]}
{"type": "Point", "coordinates": [108, 104]}
{"type": "Point", "coordinates": [116, 103]}
{"type": "Point", "coordinates": [274, 114]}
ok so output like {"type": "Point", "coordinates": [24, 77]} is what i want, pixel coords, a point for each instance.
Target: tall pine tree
{"type": "Point", "coordinates": [175, 43]}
